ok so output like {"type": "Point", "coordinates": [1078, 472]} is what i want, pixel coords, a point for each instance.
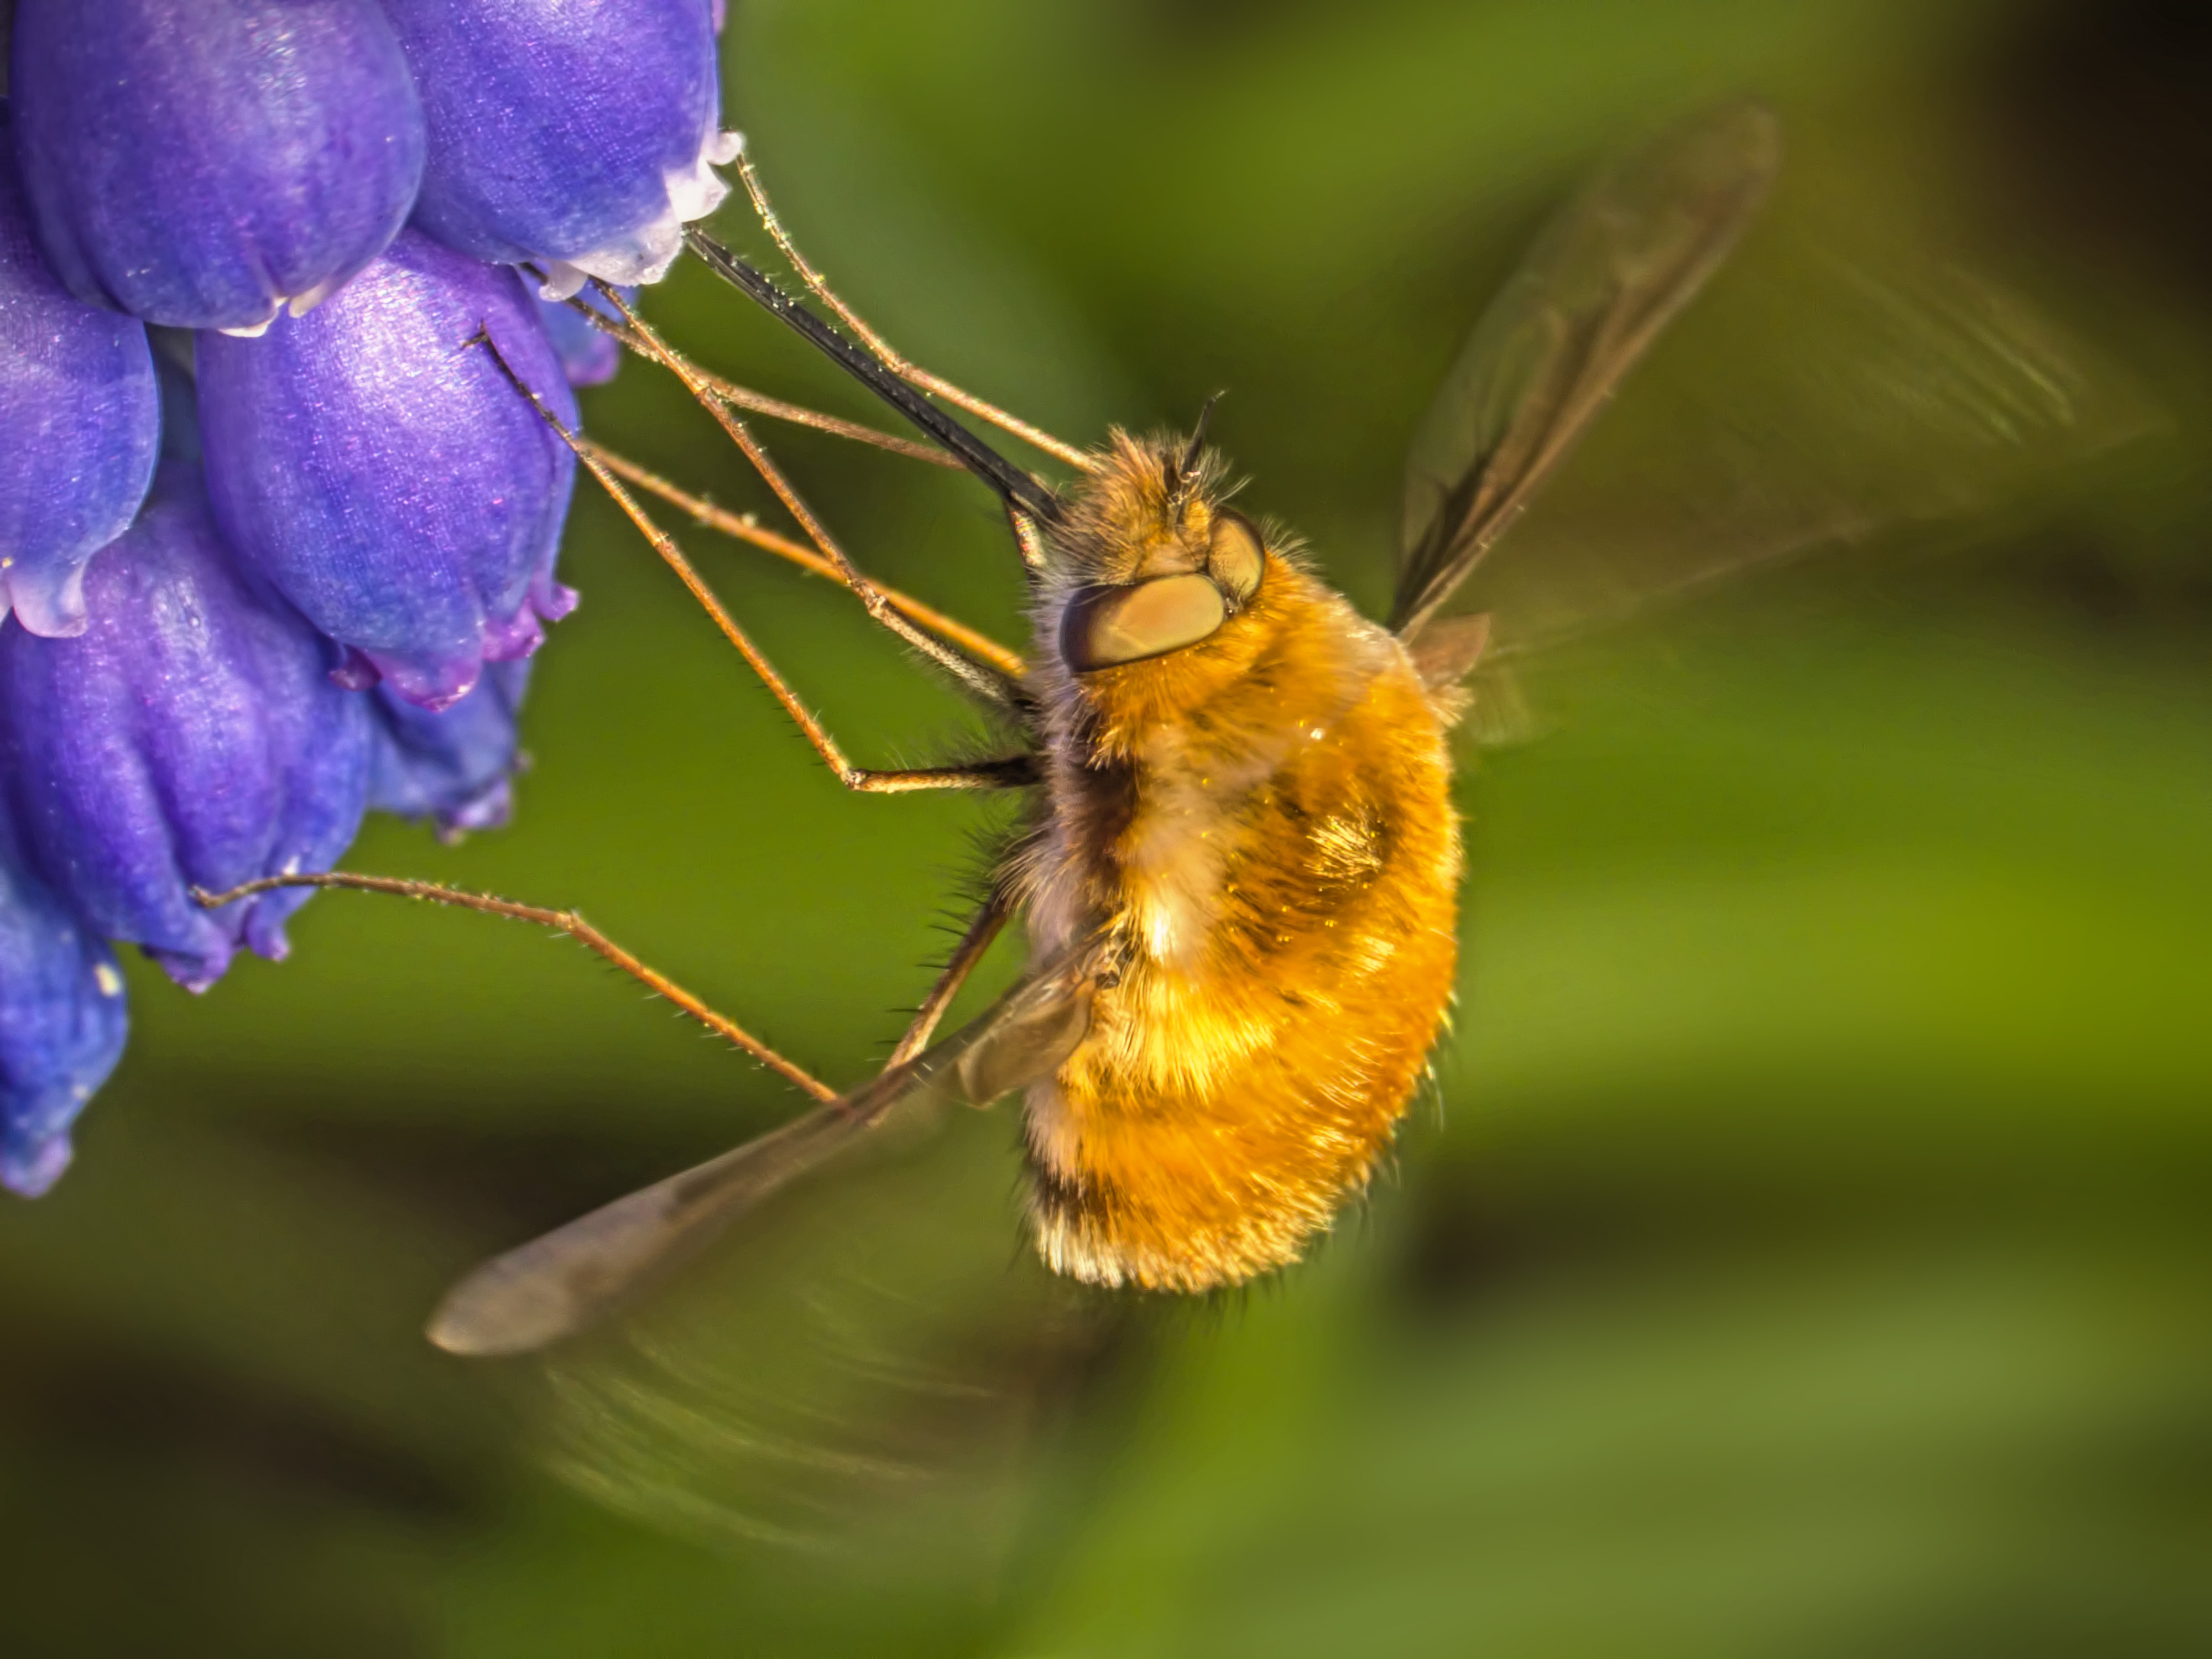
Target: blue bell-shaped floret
{"type": "Point", "coordinates": [81, 418]}
{"type": "Point", "coordinates": [191, 736]}
{"type": "Point", "coordinates": [204, 163]}
{"type": "Point", "coordinates": [580, 139]}
{"type": "Point", "coordinates": [62, 1022]}
{"type": "Point", "coordinates": [386, 475]}
{"type": "Point", "coordinates": [589, 355]}
{"type": "Point", "coordinates": [454, 767]}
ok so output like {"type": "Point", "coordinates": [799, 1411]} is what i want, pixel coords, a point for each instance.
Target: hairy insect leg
{"type": "Point", "coordinates": [983, 930]}
{"type": "Point", "coordinates": [985, 680]}
{"type": "Point", "coordinates": [911, 373]}
{"type": "Point", "coordinates": [776, 409]}
{"type": "Point", "coordinates": [565, 921]}
{"type": "Point", "coordinates": [743, 527]}
{"type": "Point", "coordinates": [1013, 771]}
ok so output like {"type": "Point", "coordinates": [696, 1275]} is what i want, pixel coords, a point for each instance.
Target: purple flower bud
{"type": "Point", "coordinates": [454, 767]}
{"type": "Point", "coordinates": [191, 736]}
{"type": "Point", "coordinates": [589, 355]}
{"type": "Point", "coordinates": [81, 417]}
{"type": "Point", "coordinates": [203, 162]}
{"type": "Point", "coordinates": [62, 1024]}
{"type": "Point", "coordinates": [579, 137]}
{"type": "Point", "coordinates": [386, 475]}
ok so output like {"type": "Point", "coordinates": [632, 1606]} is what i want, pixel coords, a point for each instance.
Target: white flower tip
{"type": "Point", "coordinates": [643, 259]}
{"type": "Point", "coordinates": [645, 255]}
{"type": "Point", "coordinates": [300, 304]}
{"type": "Point", "coordinates": [254, 331]}
{"type": "Point", "coordinates": [695, 194]}
{"type": "Point", "coordinates": [562, 280]}
{"type": "Point", "coordinates": [47, 602]}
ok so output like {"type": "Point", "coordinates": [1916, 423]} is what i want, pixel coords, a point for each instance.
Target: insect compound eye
{"type": "Point", "coordinates": [1237, 556]}
{"type": "Point", "coordinates": [1105, 627]}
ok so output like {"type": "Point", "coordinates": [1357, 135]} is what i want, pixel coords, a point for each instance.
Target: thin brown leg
{"type": "Point", "coordinates": [985, 680]}
{"type": "Point", "coordinates": [1013, 772]}
{"type": "Point", "coordinates": [745, 528]}
{"type": "Point", "coordinates": [776, 409]}
{"type": "Point", "coordinates": [969, 952]}
{"type": "Point", "coordinates": [911, 373]}
{"type": "Point", "coordinates": [566, 921]}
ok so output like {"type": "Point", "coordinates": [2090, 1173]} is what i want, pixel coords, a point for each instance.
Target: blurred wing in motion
{"type": "Point", "coordinates": [1603, 280]}
{"type": "Point", "coordinates": [1837, 379]}
{"type": "Point", "coordinates": [570, 1278]}
{"type": "Point", "coordinates": [1816, 398]}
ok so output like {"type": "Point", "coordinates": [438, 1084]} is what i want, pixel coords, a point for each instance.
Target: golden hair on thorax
{"type": "Point", "coordinates": [1256, 827]}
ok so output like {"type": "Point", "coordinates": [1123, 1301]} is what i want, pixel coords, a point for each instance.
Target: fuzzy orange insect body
{"type": "Point", "coordinates": [1240, 873]}
{"type": "Point", "coordinates": [1259, 827]}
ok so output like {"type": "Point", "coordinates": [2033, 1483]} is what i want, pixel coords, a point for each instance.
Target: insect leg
{"type": "Point", "coordinates": [760, 403]}
{"type": "Point", "coordinates": [911, 373]}
{"type": "Point", "coordinates": [566, 921]}
{"type": "Point", "coordinates": [981, 930]}
{"type": "Point", "coordinates": [1010, 772]}
{"type": "Point", "coordinates": [745, 528]}
{"type": "Point", "coordinates": [987, 681]}
{"type": "Point", "coordinates": [1013, 772]}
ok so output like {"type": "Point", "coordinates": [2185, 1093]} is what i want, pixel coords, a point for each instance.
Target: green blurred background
{"type": "Point", "coordinates": [1806, 1250]}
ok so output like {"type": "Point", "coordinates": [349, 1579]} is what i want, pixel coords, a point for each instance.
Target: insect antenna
{"type": "Point", "coordinates": [912, 372]}
{"type": "Point", "coordinates": [1183, 476]}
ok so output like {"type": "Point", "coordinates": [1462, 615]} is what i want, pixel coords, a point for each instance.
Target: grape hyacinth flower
{"type": "Point", "coordinates": [455, 767]}
{"type": "Point", "coordinates": [171, 146]}
{"type": "Point", "coordinates": [589, 355]}
{"type": "Point", "coordinates": [383, 472]}
{"type": "Point", "coordinates": [78, 402]}
{"type": "Point", "coordinates": [61, 1023]}
{"type": "Point", "coordinates": [191, 736]}
{"type": "Point", "coordinates": [356, 521]}
{"type": "Point", "coordinates": [542, 148]}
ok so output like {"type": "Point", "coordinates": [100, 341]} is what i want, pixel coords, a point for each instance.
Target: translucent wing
{"type": "Point", "coordinates": [1837, 379]}
{"type": "Point", "coordinates": [1819, 397]}
{"type": "Point", "coordinates": [1602, 282]}
{"type": "Point", "coordinates": [572, 1277]}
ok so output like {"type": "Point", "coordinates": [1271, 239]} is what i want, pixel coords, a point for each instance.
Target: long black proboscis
{"type": "Point", "coordinates": [1016, 487]}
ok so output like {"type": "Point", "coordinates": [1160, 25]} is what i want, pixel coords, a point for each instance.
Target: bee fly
{"type": "Point", "coordinates": [1240, 867]}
